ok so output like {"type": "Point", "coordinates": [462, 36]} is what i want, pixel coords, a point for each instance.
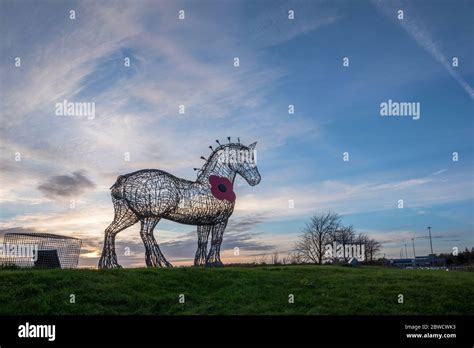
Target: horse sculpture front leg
{"type": "Point", "coordinates": [214, 258]}
{"type": "Point", "coordinates": [201, 253]}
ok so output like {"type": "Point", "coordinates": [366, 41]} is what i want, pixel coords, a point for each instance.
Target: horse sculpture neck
{"type": "Point", "coordinates": [215, 165]}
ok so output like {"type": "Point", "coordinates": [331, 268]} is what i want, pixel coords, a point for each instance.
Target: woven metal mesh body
{"type": "Point", "coordinates": [150, 195]}
{"type": "Point", "coordinates": [52, 251]}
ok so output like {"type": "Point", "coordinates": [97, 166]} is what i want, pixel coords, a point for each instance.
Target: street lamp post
{"type": "Point", "coordinates": [431, 244]}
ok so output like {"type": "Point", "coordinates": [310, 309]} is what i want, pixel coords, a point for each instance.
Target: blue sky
{"type": "Point", "coordinates": [190, 62]}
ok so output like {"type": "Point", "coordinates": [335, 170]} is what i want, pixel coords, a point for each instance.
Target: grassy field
{"type": "Point", "coordinates": [233, 290]}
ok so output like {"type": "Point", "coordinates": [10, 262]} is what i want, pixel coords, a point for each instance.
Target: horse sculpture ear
{"type": "Point", "coordinates": [252, 146]}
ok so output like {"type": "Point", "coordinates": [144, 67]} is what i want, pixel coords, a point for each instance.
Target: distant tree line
{"type": "Point", "coordinates": [325, 229]}
{"type": "Point", "coordinates": [372, 247]}
{"type": "Point", "coordinates": [465, 257]}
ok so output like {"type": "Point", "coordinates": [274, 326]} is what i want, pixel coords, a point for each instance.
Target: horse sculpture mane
{"type": "Point", "coordinates": [150, 195]}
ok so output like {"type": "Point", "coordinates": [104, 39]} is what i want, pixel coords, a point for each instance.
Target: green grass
{"type": "Point", "coordinates": [233, 290]}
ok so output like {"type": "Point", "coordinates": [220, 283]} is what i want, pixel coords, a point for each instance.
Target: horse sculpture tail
{"type": "Point", "coordinates": [117, 188]}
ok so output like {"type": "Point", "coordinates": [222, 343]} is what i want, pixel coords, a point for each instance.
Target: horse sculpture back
{"type": "Point", "coordinates": [150, 195]}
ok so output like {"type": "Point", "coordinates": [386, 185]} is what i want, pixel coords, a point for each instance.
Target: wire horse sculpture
{"type": "Point", "coordinates": [150, 195]}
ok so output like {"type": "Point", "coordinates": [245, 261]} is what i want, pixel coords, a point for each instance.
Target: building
{"type": "Point", "coordinates": [419, 261]}
{"type": "Point", "coordinates": [401, 263]}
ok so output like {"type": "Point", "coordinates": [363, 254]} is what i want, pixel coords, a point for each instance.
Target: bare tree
{"type": "Point", "coordinates": [275, 258]}
{"type": "Point", "coordinates": [294, 258]}
{"type": "Point", "coordinates": [317, 233]}
{"type": "Point", "coordinates": [345, 235]}
{"type": "Point", "coordinates": [361, 240]}
{"type": "Point", "coordinates": [263, 259]}
{"type": "Point", "coordinates": [372, 247]}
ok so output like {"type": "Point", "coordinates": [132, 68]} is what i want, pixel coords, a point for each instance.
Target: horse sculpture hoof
{"type": "Point", "coordinates": [158, 262]}
{"type": "Point", "coordinates": [215, 264]}
{"type": "Point", "coordinates": [109, 265]}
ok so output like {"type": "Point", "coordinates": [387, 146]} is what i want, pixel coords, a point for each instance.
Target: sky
{"type": "Point", "coordinates": [56, 170]}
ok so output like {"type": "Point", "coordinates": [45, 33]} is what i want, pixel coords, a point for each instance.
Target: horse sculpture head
{"type": "Point", "coordinates": [247, 165]}
{"type": "Point", "coordinates": [231, 159]}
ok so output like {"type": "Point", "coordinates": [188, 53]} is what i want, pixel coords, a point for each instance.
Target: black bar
{"type": "Point", "coordinates": [289, 330]}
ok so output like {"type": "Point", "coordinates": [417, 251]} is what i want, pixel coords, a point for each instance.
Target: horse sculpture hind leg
{"type": "Point", "coordinates": [123, 218]}
{"type": "Point", "coordinates": [154, 256]}
{"type": "Point", "coordinates": [201, 253]}
{"type": "Point", "coordinates": [214, 257]}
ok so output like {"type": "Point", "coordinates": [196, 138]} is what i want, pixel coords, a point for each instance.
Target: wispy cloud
{"type": "Point", "coordinates": [270, 29]}
{"type": "Point", "coordinates": [361, 196]}
{"type": "Point", "coordinates": [152, 134]}
{"type": "Point", "coordinates": [414, 27]}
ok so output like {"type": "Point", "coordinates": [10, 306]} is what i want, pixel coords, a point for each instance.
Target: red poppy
{"type": "Point", "coordinates": [222, 188]}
